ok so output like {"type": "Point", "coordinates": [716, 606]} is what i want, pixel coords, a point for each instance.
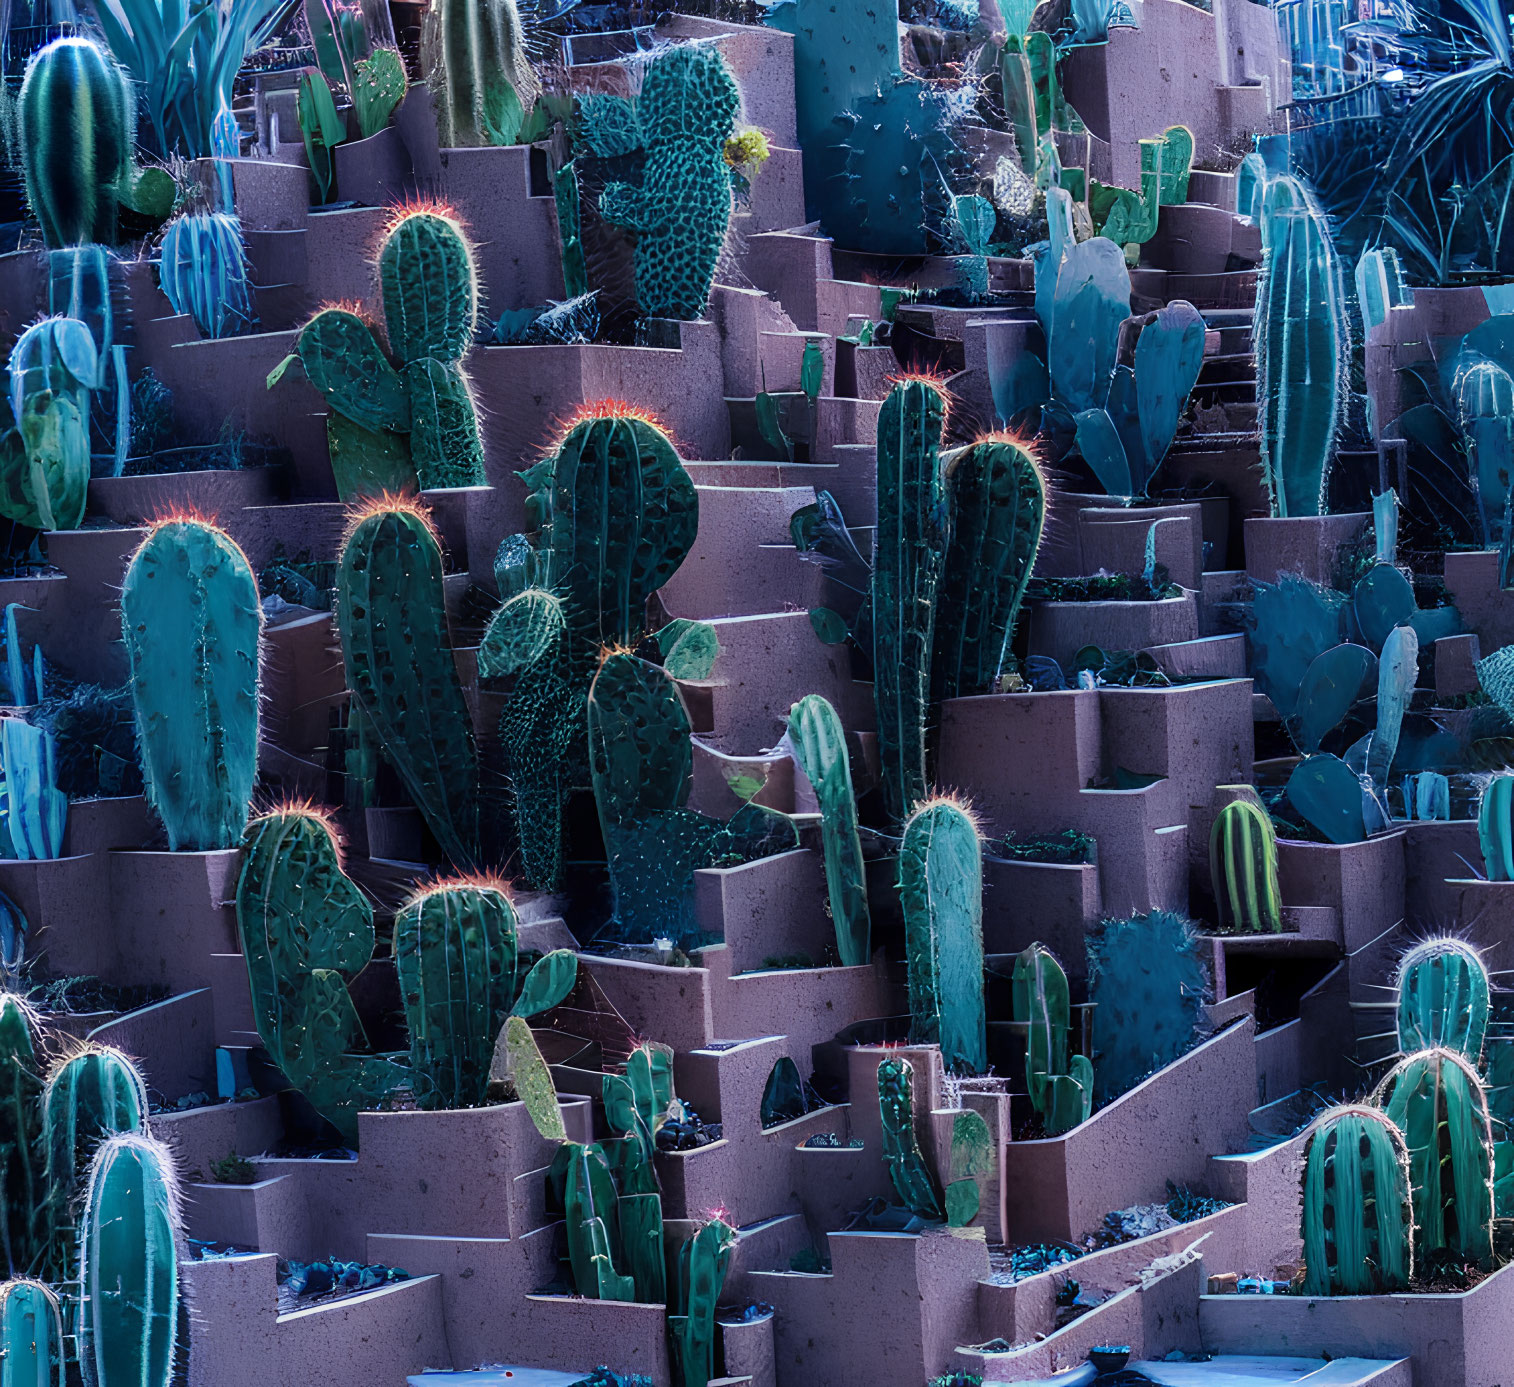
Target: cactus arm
{"type": "Point", "coordinates": [344, 361]}
{"type": "Point", "coordinates": [911, 1178]}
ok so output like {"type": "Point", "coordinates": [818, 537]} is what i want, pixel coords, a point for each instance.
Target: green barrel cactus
{"type": "Point", "coordinates": [686, 110]}
{"type": "Point", "coordinates": [76, 121]}
{"type": "Point", "coordinates": [1495, 828]}
{"type": "Point", "coordinates": [455, 952]}
{"type": "Point", "coordinates": [941, 892]}
{"type": "Point", "coordinates": [129, 1266]}
{"type": "Point", "coordinates": [1243, 869]}
{"type": "Point", "coordinates": [1060, 1085]}
{"type": "Point", "coordinates": [592, 1221]}
{"type": "Point", "coordinates": [392, 617]}
{"type": "Point", "coordinates": [22, 1225]}
{"type": "Point", "coordinates": [1356, 1211]}
{"type": "Point", "coordinates": [997, 498]}
{"type": "Point", "coordinates": [820, 748]}
{"type": "Point", "coordinates": [482, 83]}
{"type": "Point", "coordinates": [429, 287]}
{"type": "Point", "coordinates": [911, 541]}
{"type": "Point", "coordinates": [305, 927]}
{"type": "Point", "coordinates": [1443, 999]}
{"type": "Point", "coordinates": [192, 621]}
{"type": "Point", "coordinates": [911, 1177]}
{"type": "Point", "coordinates": [701, 1269]}
{"type": "Point", "coordinates": [31, 1336]}
{"type": "Point", "coordinates": [1437, 1101]}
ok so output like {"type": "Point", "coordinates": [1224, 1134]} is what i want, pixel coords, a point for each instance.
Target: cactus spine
{"type": "Point", "coordinates": [941, 891]}
{"type": "Point", "coordinates": [1356, 1212]}
{"type": "Point", "coordinates": [1437, 1101]}
{"type": "Point", "coordinates": [1243, 869]}
{"type": "Point", "coordinates": [702, 1263]}
{"type": "Point", "coordinates": [192, 621]}
{"type": "Point", "coordinates": [1443, 999]}
{"type": "Point", "coordinates": [912, 1179]}
{"type": "Point", "coordinates": [482, 82]}
{"type": "Point", "coordinates": [912, 533]}
{"type": "Point", "coordinates": [1060, 1087]}
{"type": "Point", "coordinates": [820, 748]}
{"type": "Point", "coordinates": [129, 1308]}
{"type": "Point", "coordinates": [22, 1226]}
{"type": "Point", "coordinates": [1495, 828]}
{"type": "Point", "coordinates": [391, 612]}
{"type": "Point", "coordinates": [31, 1336]}
{"type": "Point", "coordinates": [998, 506]}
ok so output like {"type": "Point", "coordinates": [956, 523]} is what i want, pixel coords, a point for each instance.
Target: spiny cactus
{"type": "Point", "coordinates": [912, 536]}
{"type": "Point", "coordinates": [305, 927]}
{"type": "Point", "coordinates": [1484, 397]}
{"type": "Point", "coordinates": [912, 1178]}
{"type": "Point", "coordinates": [637, 1103]}
{"type": "Point", "coordinates": [1356, 1211]}
{"type": "Point", "coordinates": [1443, 999]}
{"type": "Point", "coordinates": [482, 82]}
{"type": "Point", "coordinates": [701, 1268]}
{"type": "Point", "coordinates": [1243, 869]}
{"type": "Point", "coordinates": [686, 110]}
{"type": "Point", "coordinates": [997, 499]}
{"type": "Point", "coordinates": [53, 367]}
{"type": "Point", "coordinates": [1060, 1085]}
{"type": "Point", "coordinates": [129, 1265]}
{"type": "Point", "coordinates": [391, 613]}
{"type": "Point", "coordinates": [76, 122]}
{"type": "Point", "coordinates": [429, 287]}
{"type": "Point", "coordinates": [31, 1336]}
{"type": "Point", "coordinates": [192, 622]}
{"type": "Point", "coordinates": [202, 266]}
{"type": "Point", "coordinates": [1495, 828]}
{"type": "Point", "coordinates": [820, 748]}
{"type": "Point", "coordinates": [592, 1223]}
{"type": "Point", "coordinates": [941, 891]}
{"type": "Point", "coordinates": [1436, 1100]}
{"type": "Point", "coordinates": [23, 1227]}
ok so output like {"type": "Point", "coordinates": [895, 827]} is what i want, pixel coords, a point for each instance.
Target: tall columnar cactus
{"type": "Point", "coordinates": [53, 368]}
{"type": "Point", "coordinates": [1436, 1100]}
{"type": "Point", "coordinates": [1356, 1211]}
{"type": "Point", "coordinates": [592, 1222]}
{"type": "Point", "coordinates": [820, 748]}
{"type": "Point", "coordinates": [1301, 343]}
{"type": "Point", "coordinates": [912, 536]}
{"type": "Point", "coordinates": [1243, 869]}
{"type": "Point", "coordinates": [637, 1103]}
{"type": "Point", "coordinates": [31, 1336]}
{"type": "Point", "coordinates": [429, 288]}
{"type": "Point", "coordinates": [686, 110]}
{"type": "Point", "coordinates": [129, 1266]}
{"type": "Point", "coordinates": [1060, 1084]}
{"type": "Point", "coordinates": [1443, 999]}
{"type": "Point", "coordinates": [22, 1225]}
{"type": "Point", "coordinates": [455, 952]}
{"type": "Point", "coordinates": [702, 1263]}
{"type": "Point", "coordinates": [77, 120]}
{"type": "Point", "coordinates": [997, 499]}
{"type": "Point", "coordinates": [1484, 396]}
{"type": "Point", "coordinates": [192, 622]}
{"type": "Point", "coordinates": [1495, 828]}
{"type": "Point", "coordinates": [391, 613]}
{"type": "Point", "coordinates": [482, 82]}
{"type": "Point", "coordinates": [912, 1178]}
{"type": "Point", "coordinates": [941, 891]}
{"type": "Point", "coordinates": [305, 927]}
{"type": "Point", "coordinates": [95, 1094]}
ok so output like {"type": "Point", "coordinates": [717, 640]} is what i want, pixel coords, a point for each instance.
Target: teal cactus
{"type": "Point", "coordinates": [53, 367]}
{"type": "Point", "coordinates": [22, 1227]}
{"type": "Point", "coordinates": [637, 1103]}
{"type": "Point", "coordinates": [1436, 1099]}
{"type": "Point", "coordinates": [701, 1268]}
{"type": "Point", "coordinates": [1356, 1209]}
{"type": "Point", "coordinates": [32, 1351]}
{"type": "Point", "coordinates": [911, 540]}
{"type": "Point", "coordinates": [455, 952]}
{"type": "Point", "coordinates": [592, 1223]}
{"type": "Point", "coordinates": [1302, 339]}
{"type": "Point", "coordinates": [1060, 1084]}
{"type": "Point", "coordinates": [941, 892]}
{"type": "Point", "coordinates": [819, 743]}
{"type": "Point", "coordinates": [1484, 398]}
{"type": "Point", "coordinates": [686, 110]}
{"type": "Point", "coordinates": [129, 1265]}
{"type": "Point", "coordinates": [1443, 999]}
{"type": "Point", "coordinates": [1328, 794]}
{"type": "Point", "coordinates": [481, 79]}
{"type": "Point", "coordinates": [76, 120]}
{"type": "Point", "coordinates": [1243, 869]}
{"type": "Point", "coordinates": [1427, 795]}
{"type": "Point", "coordinates": [1495, 828]}
{"type": "Point", "coordinates": [429, 288]}
{"type": "Point", "coordinates": [997, 499]}
{"type": "Point", "coordinates": [912, 1178]}
{"type": "Point", "coordinates": [305, 928]}
{"type": "Point", "coordinates": [972, 1156]}
{"type": "Point", "coordinates": [202, 267]}
{"type": "Point", "coordinates": [33, 810]}
{"type": "Point", "coordinates": [192, 622]}
{"type": "Point", "coordinates": [391, 613]}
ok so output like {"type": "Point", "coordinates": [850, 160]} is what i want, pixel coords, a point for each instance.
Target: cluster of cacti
{"type": "Point", "coordinates": [1427, 795]}
{"type": "Point", "coordinates": [1060, 1083]}
{"type": "Point", "coordinates": [391, 614]}
{"type": "Point", "coordinates": [686, 108]}
{"type": "Point", "coordinates": [192, 623]}
{"type": "Point", "coordinates": [1130, 217]}
{"type": "Point", "coordinates": [458, 963]}
{"type": "Point", "coordinates": [637, 1103]}
{"type": "Point", "coordinates": [429, 288]}
{"type": "Point", "coordinates": [44, 474]}
{"type": "Point", "coordinates": [482, 83]}
{"type": "Point", "coordinates": [202, 266]}
{"type": "Point", "coordinates": [1243, 869]}
{"type": "Point", "coordinates": [955, 1199]}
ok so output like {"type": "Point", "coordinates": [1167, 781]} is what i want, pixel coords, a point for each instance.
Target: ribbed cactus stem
{"type": "Point", "coordinates": [32, 1351]}
{"type": "Point", "coordinates": [1495, 828]}
{"type": "Point", "coordinates": [1243, 869]}
{"type": "Point", "coordinates": [702, 1263]}
{"type": "Point", "coordinates": [1356, 1211]}
{"type": "Point", "coordinates": [1443, 999]}
{"type": "Point", "coordinates": [589, 1203]}
{"type": "Point", "coordinates": [1060, 1084]}
{"type": "Point", "coordinates": [911, 1177]}
{"type": "Point", "coordinates": [22, 1220]}
{"type": "Point", "coordinates": [482, 82]}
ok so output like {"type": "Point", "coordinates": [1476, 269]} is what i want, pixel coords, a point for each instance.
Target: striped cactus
{"type": "Point", "coordinates": [1243, 868]}
{"type": "Point", "coordinates": [1495, 828]}
{"type": "Point", "coordinates": [482, 82]}
{"type": "Point", "coordinates": [1356, 1210]}
{"type": "Point", "coordinates": [202, 266]}
{"type": "Point", "coordinates": [1443, 999]}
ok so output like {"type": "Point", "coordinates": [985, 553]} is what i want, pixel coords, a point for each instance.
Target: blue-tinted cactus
{"type": "Point", "coordinates": [32, 1351]}
{"type": "Point", "coordinates": [1427, 795]}
{"type": "Point", "coordinates": [1495, 828]}
{"type": "Point", "coordinates": [53, 367]}
{"type": "Point", "coordinates": [1484, 398]}
{"type": "Point", "coordinates": [192, 623]}
{"type": "Point", "coordinates": [686, 110]}
{"type": "Point", "coordinates": [33, 810]}
{"type": "Point", "coordinates": [1060, 1083]}
{"type": "Point", "coordinates": [23, 1225]}
{"type": "Point", "coordinates": [1443, 999]}
{"type": "Point", "coordinates": [202, 266]}
{"type": "Point", "coordinates": [1356, 1210]}
{"type": "Point", "coordinates": [1243, 869]}
{"type": "Point", "coordinates": [912, 1178]}
{"type": "Point", "coordinates": [481, 79]}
